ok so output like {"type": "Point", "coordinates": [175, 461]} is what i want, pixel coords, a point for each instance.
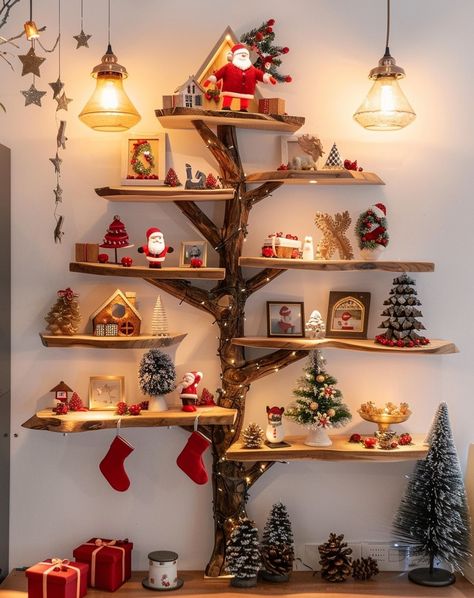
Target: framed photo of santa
{"type": "Point", "coordinates": [285, 319]}
{"type": "Point", "coordinates": [348, 314]}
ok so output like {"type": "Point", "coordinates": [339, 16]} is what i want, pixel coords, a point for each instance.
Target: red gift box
{"type": "Point", "coordinates": [271, 106]}
{"type": "Point", "coordinates": [56, 578]}
{"type": "Point", "coordinates": [110, 562]}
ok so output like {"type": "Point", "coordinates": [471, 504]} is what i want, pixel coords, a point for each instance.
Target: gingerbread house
{"type": "Point", "coordinates": [117, 316]}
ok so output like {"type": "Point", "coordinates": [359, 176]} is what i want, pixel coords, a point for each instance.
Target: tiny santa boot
{"type": "Point", "coordinates": [112, 465]}
{"type": "Point", "coordinates": [190, 458]}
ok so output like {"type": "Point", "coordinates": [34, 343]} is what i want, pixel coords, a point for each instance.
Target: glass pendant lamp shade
{"type": "Point", "coordinates": [109, 108]}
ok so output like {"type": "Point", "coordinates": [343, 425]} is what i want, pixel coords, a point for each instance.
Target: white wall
{"type": "Point", "coordinates": [59, 498]}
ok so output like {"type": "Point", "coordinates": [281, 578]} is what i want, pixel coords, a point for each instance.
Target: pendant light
{"type": "Point", "coordinates": [385, 108]}
{"type": "Point", "coordinates": [31, 31]}
{"type": "Point", "coordinates": [109, 108]}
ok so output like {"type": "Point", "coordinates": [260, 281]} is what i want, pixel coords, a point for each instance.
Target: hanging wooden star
{"type": "Point", "coordinates": [33, 96]}
{"type": "Point", "coordinates": [31, 63]}
{"type": "Point", "coordinates": [58, 193]}
{"type": "Point", "coordinates": [57, 87]}
{"type": "Point", "coordinates": [82, 39]}
{"type": "Point", "coordinates": [56, 163]}
{"type": "Point", "coordinates": [61, 136]}
{"type": "Point", "coordinates": [62, 101]}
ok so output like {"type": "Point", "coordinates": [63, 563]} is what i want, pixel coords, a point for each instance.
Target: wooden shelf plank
{"type": "Point", "coordinates": [85, 421]}
{"type": "Point", "coordinates": [335, 265]}
{"type": "Point", "coordinates": [182, 118]}
{"type": "Point", "coordinates": [340, 450]}
{"type": "Point", "coordinates": [162, 193]}
{"type": "Point", "coordinates": [143, 341]}
{"type": "Point", "coordinates": [145, 272]}
{"type": "Point", "coordinates": [436, 347]}
{"type": "Point", "coordinates": [316, 177]}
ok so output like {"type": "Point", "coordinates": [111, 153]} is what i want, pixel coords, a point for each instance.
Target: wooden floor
{"type": "Point", "coordinates": [302, 584]}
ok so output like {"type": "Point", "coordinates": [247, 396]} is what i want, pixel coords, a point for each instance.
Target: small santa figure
{"type": "Point", "coordinates": [187, 389]}
{"type": "Point", "coordinates": [285, 325]}
{"type": "Point", "coordinates": [155, 250]}
{"type": "Point", "coordinates": [239, 78]}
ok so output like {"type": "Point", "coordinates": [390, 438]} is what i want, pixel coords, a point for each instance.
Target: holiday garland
{"type": "Point", "coordinates": [142, 148]}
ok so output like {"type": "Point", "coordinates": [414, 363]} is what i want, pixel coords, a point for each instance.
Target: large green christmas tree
{"type": "Point", "coordinates": [318, 400]}
{"type": "Point", "coordinates": [433, 516]}
{"type": "Point", "coordinates": [277, 547]}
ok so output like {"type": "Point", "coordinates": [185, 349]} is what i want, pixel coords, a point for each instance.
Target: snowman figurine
{"type": "Point", "coordinates": [275, 431]}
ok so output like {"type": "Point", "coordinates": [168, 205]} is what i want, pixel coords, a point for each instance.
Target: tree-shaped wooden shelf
{"type": "Point", "coordinates": [85, 421]}
{"type": "Point", "coordinates": [184, 118]}
{"type": "Point", "coordinates": [144, 341]}
{"type": "Point", "coordinates": [435, 347]}
{"type": "Point", "coordinates": [335, 265]}
{"type": "Point", "coordinates": [313, 177]}
{"type": "Point", "coordinates": [148, 273]}
{"type": "Point", "coordinates": [159, 194]}
{"type": "Point", "coordinates": [340, 450]}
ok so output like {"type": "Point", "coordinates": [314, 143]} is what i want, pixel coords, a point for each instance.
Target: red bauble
{"type": "Point", "coordinates": [259, 36]}
{"type": "Point", "coordinates": [355, 438]}
{"type": "Point", "coordinates": [267, 252]}
{"type": "Point", "coordinates": [394, 444]}
{"type": "Point", "coordinates": [405, 439]}
{"type": "Point", "coordinates": [288, 79]}
{"type": "Point", "coordinates": [195, 262]}
{"type": "Point", "coordinates": [126, 261]}
{"type": "Point", "coordinates": [285, 50]}
{"type": "Point", "coordinates": [370, 442]}
{"type": "Point", "coordinates": [269, 30]}
{"type": "Point", "coordinates": [135, 409]}
{"type": "Point", "coordinates": [122, 408]}
{"type": "Point", "coordinates": [103, 258]}
{"type": "Point", "coordinates": [271, 22]}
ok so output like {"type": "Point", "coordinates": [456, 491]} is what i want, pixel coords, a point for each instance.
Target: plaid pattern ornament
{"type": "Point", "coordinates": [334, 159]}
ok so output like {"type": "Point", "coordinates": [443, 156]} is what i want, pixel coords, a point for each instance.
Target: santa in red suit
{"type": "Point", "coordinates": [155, 250]}
{"type": "Point", "coordinates": [239, 78]}
{"type": "Point", "coordinates": [188, 390]}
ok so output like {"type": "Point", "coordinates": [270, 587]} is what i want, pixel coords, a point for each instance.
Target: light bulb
{"type": "Point", "coordinates": [31, 31]}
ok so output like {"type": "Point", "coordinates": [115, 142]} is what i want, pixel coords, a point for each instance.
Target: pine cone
{"type": "Point", "coordinates": [253, 436]}
{"type": "Point", "coordinates": [277, 559]}
{"type": "Point", "coordinates": [335, 559]}
{"type": "Point", "coordinates": [364, 569]}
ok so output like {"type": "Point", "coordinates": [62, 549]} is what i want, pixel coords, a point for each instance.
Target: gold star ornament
{"type": "Point", "coordinates": [82, 39]}
{"type": "Point", "coordinates": [31, 63]}
{"type": "Point", "coordinates": [62, 101]}
{"type": "Point", "coordinates": [57, 87]}
{"type": "Point", "coordinates": [33, 96]}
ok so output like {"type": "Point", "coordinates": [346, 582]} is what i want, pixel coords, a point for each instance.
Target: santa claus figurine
{"type": "Point", "coordinates": [155, 250]}
{"type": "Point", "coordinates": [187, 389]}
{"type": "Point", "coordinates": [239, 78]}
{"type": "Point", "coordinates": [285, 325]}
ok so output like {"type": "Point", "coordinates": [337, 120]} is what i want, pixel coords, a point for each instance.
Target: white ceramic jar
{"type": "Point", "coordinates": [163, 571]}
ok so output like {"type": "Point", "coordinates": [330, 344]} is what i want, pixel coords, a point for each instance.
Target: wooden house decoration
{"type": "Point", "coordinates": [61, 391]}
{"type": "Point", "coordinates": [188, 95]}
{"type": "Point", "coordinates": [117, 316]}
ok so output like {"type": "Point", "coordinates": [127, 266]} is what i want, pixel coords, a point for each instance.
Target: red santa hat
{"type": "Point", "coordinates": [197, 376]}
{"type": "Point", "coordinates": [285, 311]}
{"type": "Point", "coordinates": [151, 231]}
{"type": "Point", "coordinates": [275, 410]}
{"type": "Point", "coordinates": [379, 210]}
{"type": "Point", "coordinates": [238, 48]}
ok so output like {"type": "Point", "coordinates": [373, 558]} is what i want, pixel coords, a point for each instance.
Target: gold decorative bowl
{"type": "Point", "coordinates": [383, 420]}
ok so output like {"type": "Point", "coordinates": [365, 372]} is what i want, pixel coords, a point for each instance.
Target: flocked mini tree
{"type": "Point", "coordinates": [243, 554]}
{"type": "Point", "coordinates": [157, 377]}
{"type": "Point", "coordinates": [401, 324]}
{"type": "Point", "coordinates": [277, 546]}
{"type": "Point", "coordinates": [64, 317]}
{"type": "Point", "coordinates": [433, 516]}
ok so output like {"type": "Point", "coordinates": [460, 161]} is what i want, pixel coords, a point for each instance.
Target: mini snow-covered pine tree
{"type": "Point", "coordinates": [157, 377]}
{"type": "Point", "coordinates": [64, 317]}
{"type": "Point", "coordinates": [243, 554]}
{"type": "Point", "coordinates": [159, 321]}
{"type": "Point", "coordinates": [401, 324]}
{"type": "Point", "coordinates": [277, 548]}
{"type": "Point", "coordinates": [433, 516]}
{"type": "Point", "coordinates": [334, 159]}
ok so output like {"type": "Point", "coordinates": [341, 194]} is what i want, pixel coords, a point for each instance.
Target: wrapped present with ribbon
{"type": "Point", "coordinates": [87, 252]}
{"type": "Point", "coordinates": [110, 562]}
{"type": "Point", "coordinates": [57, 578]}
{"type": "Point", "coordinates": [271, 106]}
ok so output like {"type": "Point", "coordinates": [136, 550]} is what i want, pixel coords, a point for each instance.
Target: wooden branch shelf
{"type": "Point", "coordinates": [85, 421]}
{"type": "Point", "coordinates": [436, 347]}
{"type": "Point", "coordinates": [182, 118]}
{"type": "Point", "coordinates": [340, 450]}
{"type": "Point", "coordinates": [335, 265]}
{"type": "Point", "coordinates": [145, 272]}
{"type": "Point", "coordinates": [316, 177]}
{"type": "Point", "coordinates": [162, 193]}
{"type": "Point", "coordinates": [143, 341]}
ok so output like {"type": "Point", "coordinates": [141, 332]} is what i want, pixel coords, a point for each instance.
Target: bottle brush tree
{"type": "Point", "coordinates": [157, 374]}
{"type": "Point", "coordinates": [243, 554]}
{"type": "Point", "coordinates": [277, 547]}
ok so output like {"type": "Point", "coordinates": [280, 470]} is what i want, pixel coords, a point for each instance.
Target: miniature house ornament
{"type": "Point", "coordinates": [61, 391]}
{"type": "Point", "coordinates": [155, 250]}
{"type": "Point", "coordinates": [117, 316]}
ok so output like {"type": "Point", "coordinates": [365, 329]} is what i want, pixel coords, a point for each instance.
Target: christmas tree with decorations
{"type": "Point", "coordinates": [318, 401]}
{"type": "Point", "coordinates": [64, 317]}
{"type": "Point", "coordinates": [277, 548]}
{"type": "Point", "coordinates": [171, 179]}
{"type": "Point", "coordinates": [243, 554]}
{"type": "Point", "coordinates": [402, 310]}
{"type": "Point", "coordinates": [433, 516]}
{"type": "Point", "coordinates": [116, 237]}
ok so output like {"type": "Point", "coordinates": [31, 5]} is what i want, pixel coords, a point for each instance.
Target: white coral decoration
{"type": "Point", "coordinates": [322, 420]}
{"type": "Point", "coordinates": [315, 326]}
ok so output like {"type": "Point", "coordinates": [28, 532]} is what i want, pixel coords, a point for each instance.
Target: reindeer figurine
{"type": "Point", "coordinates": [275, 431]}
{"type": "Point", "coordinates": [200, 176]}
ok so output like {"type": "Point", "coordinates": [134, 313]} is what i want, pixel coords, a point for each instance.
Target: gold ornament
{"type": "Point", "coordinates": [334, 236]}
{"type": "Point", "coordinates": [320, 378]}
{"type": "Point", "coordinates": [313, 406]}
{"type": "Point", "coordinates": [331, 412]}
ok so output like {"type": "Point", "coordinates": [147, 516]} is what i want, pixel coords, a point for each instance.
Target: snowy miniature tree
{"type": "Point", "coordinates": [433, 515]}
{"type": "Point", "coordinates": [277, 548]}
{"type": "Point", "coordinates": [64, 317]}
{"type": "Point", "coordinates": [243, 555]}
{"type": "Point", "coordinates": [159, 321]}
{"type": "Point", "coordinates": [157, 376]}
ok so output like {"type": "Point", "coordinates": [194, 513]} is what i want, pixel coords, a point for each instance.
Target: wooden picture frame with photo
{"type": "Point", "coordinates": [105, 392]}
{"type": "Point", "coordinates": [348, 314]}
{"type": "Point", "coordinates": [285, 319]}
{"type": "Point", "coordinates": [144, 160]}
{"type": "Point", "coordinates": [190, 250]}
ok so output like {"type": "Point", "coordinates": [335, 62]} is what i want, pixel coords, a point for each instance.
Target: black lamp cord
{"type": "Point", "coordinates": [387, 51]}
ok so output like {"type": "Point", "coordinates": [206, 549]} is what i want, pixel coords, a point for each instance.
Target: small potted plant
{"type": "Point", "coordinates": [157, 376]}
{"type": "Point", "coordinates": [371, 231]}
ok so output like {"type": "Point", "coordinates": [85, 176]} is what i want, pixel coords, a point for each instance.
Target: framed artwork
{"type": "Point", "coordinates": [285, 318]}
{"type": "Point", "coordinates": [105, 392]}
{"type": "Point", "coordinates": [300, 152]}
{"type": "Point", "coordinates": [190, 250]}
{"type": "Point", "coordinates": [144, 160]}
{"type": "Point", "coordinates": [348, 314]}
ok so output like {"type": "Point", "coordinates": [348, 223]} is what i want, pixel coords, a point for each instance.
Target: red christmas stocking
{"type": "Point", "coordinates": [190, 458]}
{"type": "Point", "coordinates": [112, 465]}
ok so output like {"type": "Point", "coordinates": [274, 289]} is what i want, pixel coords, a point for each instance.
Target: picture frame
{"type": "Point", "coordinates": [295, 157]}
{"type": "Point", "coordinates": [348, 314]}
{"type": "Point", "coordinates": [190, 250]}
{"type": "Point", "coordinates": [285, 319]}
{"type": "Point", "coordinates": [105, 392]}
{"type": "Point", "coordinates": [149, 151]}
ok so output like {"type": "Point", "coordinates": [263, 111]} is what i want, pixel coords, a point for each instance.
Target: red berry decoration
{"type": "Point", "coordinates": [122, 408]}
{"type": "Point", "coordinates": [283, 167]}
{"type": "Point", "coordinates": [103, 258]}
{"type": "Point", "coordinates": [405, 439]}
{"type": "Point", "coordinates": [61, 409]}
{"type": "Point", "coordinates": [135, 409]}
{"type": "Point", "coordinates": [267, 252]}
{"type": "Point", "coordinates": [126, 261]}
{"type": "Point", "coordinates": [196, 262]}
{"type": "Point", "coordinates": [370, 442]}
{"type": "Point", "coordinates": [144, 405]}
{"type": "Point", "coordinates": [355, 438]}
{"type": "Point", "coordinates": [394, 445]}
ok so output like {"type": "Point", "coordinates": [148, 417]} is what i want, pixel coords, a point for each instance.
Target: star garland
{"type": "Point", "coordinates": [31, 65]}
{"type": "Point", "coordinates": [82, 38]}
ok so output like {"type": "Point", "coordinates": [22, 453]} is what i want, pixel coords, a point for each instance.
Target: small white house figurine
{"type": "Point", "coordinates": [315, 326]}
{"type": "Point", "coordinates": [275, 431]}
{"type": "Point", "coordinates": [188, 95]}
